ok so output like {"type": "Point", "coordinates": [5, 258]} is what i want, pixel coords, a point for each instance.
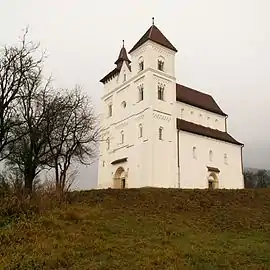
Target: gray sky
{"type": "Point", "coordinates": [223, 49]}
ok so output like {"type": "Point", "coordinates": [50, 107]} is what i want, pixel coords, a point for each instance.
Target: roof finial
{"type": "Point", "coordinates": [153, 20]}
{"type": "Point", "coordinates": [123, 43]}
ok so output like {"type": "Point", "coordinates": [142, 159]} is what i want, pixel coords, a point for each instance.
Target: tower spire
{"type": "Point", "coordinates": [122, 56]}
{"type": "Point", "coordinates": [153, 20]}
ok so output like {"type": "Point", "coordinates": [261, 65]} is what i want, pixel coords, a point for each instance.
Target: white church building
{"type": "Point", "coordinates": [158, 133]}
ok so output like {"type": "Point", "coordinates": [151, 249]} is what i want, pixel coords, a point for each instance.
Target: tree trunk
{"type": "Point", "coordinates": [57, 184]}
{"type": "Point", "coordinates": [28, 184]}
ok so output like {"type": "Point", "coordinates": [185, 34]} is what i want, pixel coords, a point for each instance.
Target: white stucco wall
{"type": "Point", "coordinates": [200, 116]}
{"type": "Point", "coordinates": [150, 52]}
{"type": "Point", "coordinates": [194, 173]}
{"type": "Point", "coordinates": [150, 161]}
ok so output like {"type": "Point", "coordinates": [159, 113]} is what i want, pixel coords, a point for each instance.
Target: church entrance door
{"type": "Point", "coordinates": [119, 180]}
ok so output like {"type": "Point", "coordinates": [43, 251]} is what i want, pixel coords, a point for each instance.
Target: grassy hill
{"type": "Point", "coordinates": [143, 229]}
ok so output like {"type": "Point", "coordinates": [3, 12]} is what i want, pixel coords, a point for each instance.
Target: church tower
{"type": "Point", "coordinates": [138, 125]}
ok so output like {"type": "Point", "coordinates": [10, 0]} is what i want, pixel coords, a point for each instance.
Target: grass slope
{"type": "Point", "coordinates": [144, 229]}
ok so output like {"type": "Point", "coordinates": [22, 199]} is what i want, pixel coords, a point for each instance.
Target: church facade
{"type": "Point", "coordinates": [158, 133]}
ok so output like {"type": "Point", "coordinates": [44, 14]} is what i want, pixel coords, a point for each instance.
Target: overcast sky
{"type": "Point", "coordinates": [223, 49]}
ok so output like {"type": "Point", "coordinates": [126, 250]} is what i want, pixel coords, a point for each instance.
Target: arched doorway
{"type": "Point", "coordinates": [212, 181]}
{"type": "Point", "coordinates": [119, 180]}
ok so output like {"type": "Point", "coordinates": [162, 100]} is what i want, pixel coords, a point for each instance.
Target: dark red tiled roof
{"type": "Point", "coordinates": [154, 34]}
{"type": "Point", "coordinates": [205, 131]}
{"type": "Point", "coordinates": [122, 57]}
{"type": "Point", "coordinates": [198, 99]}
{"type": "Point", "coordinates": [111, 74]}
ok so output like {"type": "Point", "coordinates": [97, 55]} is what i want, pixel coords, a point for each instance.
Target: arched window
{"type": "Point", "coordinates": [160, 133]}
{"type": "Point", "coordinates": [140, 130]}
{"type": "Point", "coordinates": [110, 110]}
{"type": "Point", "coordinates": [194, 152]}
{"type": "Point", "coordinates": [141, 64]}
{"type": "Point", "coordinates": [122, 136]}
{"type": "Point", "coordinates": [161, 92]}
{"type": "Point", "coordinates": [160, 63]}
{"type": "Point", "coordinates": [226, 159]}
{"type": "Point", "coordinates": [210, 155]}
{"type": "Point", "coordinates": [108, 143]}
{"type": "Point", "coordinates": [124, 104]}
{"type": "Point", "coordinates": [140, 92]}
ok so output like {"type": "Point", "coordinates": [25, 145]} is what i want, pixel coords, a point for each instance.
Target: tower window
{"type": "Point", "coordinates": [160, 92]}
{"type": "Point", "coordinates": [160, 133]}
{"type": "Point", "coordinates": [140, 131]}
{"type": "Point", "coordinates": [125, 77]}
{"type": "Point", "coordinates": [122, 137]}
{"type": "Point", "coordinates": [194, 152]}
{"type": "Point", "coordinates": [210, 155]}
{"type": "Point", "coordinates": [141, 65]}
{"type": "Point", "coordinates": [110, 110]}
{"type": "Point", "coordinates": [161, 65]}
{"type": "Point", "coordinates": [140, 92]}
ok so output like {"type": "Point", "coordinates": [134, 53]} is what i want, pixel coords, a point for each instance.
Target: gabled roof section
{"type": "Point", "coordinates": [111, 75]}
{"type": "Point", "coordinates": [198, 99]}
{"type": "Point", "coordinates": [155, 35]}
{"type": "Point", "coordinates": [205, 131]}
{"type": "Point", "coordinates": [119, 62]}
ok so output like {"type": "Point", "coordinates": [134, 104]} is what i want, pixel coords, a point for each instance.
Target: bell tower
{"type": "Point", "coordinates": [141, 97]}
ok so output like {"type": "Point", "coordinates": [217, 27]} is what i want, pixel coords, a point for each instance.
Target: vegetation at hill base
{"type": "Point", "coordinates": [138, 229]}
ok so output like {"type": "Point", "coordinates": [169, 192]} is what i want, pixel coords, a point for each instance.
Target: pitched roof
{"type": "Point", "coordinates": [122, 57]}
{"type": "Point", "coordinates": [198, 99]}
{"type": "Point", "coordinates": [154, 34]}
{"type": "Point", "coordinates": [205, 131]}
{"type": "Point", "coordinates": [110, 75]}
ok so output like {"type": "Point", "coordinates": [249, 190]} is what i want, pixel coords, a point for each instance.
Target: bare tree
{"type": "Point", "coordinates": [17, 63]}
{"type": "Point", "coordinates": [30, 151]}
{"type": "Point", "coordinates": [73, 134]}
{"type": "Point", "coordinates": [261, 176]}
{"type": "Point", "coordinates": [249, 179]}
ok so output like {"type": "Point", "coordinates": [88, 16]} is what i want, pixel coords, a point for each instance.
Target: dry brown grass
{"type": "Point", "coordinates": [143, 229]}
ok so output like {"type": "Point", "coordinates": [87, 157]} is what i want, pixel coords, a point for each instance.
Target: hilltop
{"type": "Point", "coordinates": [144, 229]}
